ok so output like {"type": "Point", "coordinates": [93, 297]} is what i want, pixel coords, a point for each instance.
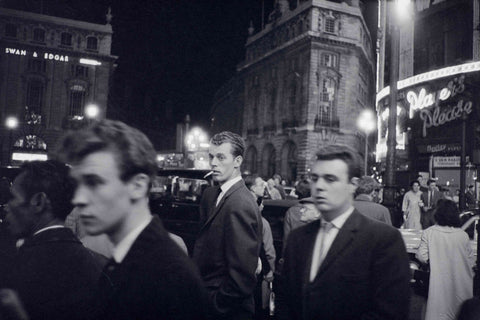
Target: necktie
{"type": "Point", "coordinates": [430, 193]}
{"type": "Point", "coordinates": [219, 192]}
{"type": "Point", "coordinates": [321, 250]}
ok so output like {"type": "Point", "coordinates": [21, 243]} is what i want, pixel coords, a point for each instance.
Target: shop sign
{"type": "Point", "coordinates": [446, 162]}
{"type": "Point", "coordinates": [428, 104]}
{"type": "Point", "coordinates": [439, 147]}
{"type": "Point", "coordinates": [45, 55]}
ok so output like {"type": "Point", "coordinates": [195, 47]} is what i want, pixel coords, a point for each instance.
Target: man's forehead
{"type": "Point", "coordinates": [334, 167]}
{"type": "Point", "coordinates": [97, 163]}
{"type": "Point", "coordinates": [224, 148]}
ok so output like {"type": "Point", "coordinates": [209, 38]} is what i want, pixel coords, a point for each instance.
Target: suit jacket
{"type": "Point", "coordinates": [156, 280]}
{"type": "Point", "coordinates": [55, 275]}
{"type": "Point", "coordinates": [227, 249]}
{"type": "Point", "coordinates": [365, 274]}
{"type": "Point", "coordinates": [364, 204]}
{"type": "Point", "coordinates": [437, 195]}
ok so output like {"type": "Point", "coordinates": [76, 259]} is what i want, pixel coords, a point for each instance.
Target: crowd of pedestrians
{"type": "Point", "coordinates": [342, 258]}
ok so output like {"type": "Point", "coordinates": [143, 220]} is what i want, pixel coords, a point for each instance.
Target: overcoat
{"type": "Point", "coordinates": [365, 274]}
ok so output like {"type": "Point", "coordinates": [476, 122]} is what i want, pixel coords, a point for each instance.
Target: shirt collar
{"type": "Point", "coordinates": [49, 227]}
{"type": "Point", "coordinates": [227, 185]}
{"type": "Point", "coordinates": [122, 248]}
{"type": "Point", "coordinates": [339, 221]}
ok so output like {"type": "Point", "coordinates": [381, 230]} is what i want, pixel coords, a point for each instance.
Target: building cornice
{"type": "Point", "coordinates": [63, 22]}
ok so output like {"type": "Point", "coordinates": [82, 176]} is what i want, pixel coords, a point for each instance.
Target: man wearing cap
{"type": "Point", "coordinates": [364, 201]}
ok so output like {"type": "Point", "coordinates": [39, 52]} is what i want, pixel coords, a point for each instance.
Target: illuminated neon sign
{"type": "Point", "coordinates": [430, 112]}
{"type": "Point", "coordinates": [46, 55]}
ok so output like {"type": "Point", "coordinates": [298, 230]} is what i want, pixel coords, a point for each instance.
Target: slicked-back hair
{"type": "Point", "coordinates": [366, 185]}
{"type": "Point", "coordinates": [238, 145]}
{"type": "Point", "coordinates": [52, 178]}
{"type": "Point", "coordinates": [344, 153]}
{"type": "Point", "coordinates": [447, 214]}
{"type": "Point", "coordinates": [430, 181]}
{"type": "Point", "coordinates": [133, 151]}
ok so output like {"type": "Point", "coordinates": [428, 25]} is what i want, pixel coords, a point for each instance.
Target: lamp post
{"type": "Point", "coordinates": [11, 123]}
{"type": "Point", "coordinates": [92, 111]}
{"type": "Point", "coordinates": [399, 12]}
{"type": "Point", "coordinates": [366, 123]}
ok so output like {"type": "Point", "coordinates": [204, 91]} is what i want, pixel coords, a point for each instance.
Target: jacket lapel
{"type": "Point", "coordinates": [344, 237]}
{"type": "Point", "coordinates": [216, 209]}
{"type": "Point", "coordinates": [309, 241]}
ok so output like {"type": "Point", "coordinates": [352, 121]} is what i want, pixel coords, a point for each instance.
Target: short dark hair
{"type": "Point", "coordinates": [430, 181]}
{"type": "Point", "coordinates": [447, 214]}
{"type": "Point", "coordinates": [238, 145]}
{"type": "Point", "coordinates": [344, 153]}
{"type": "Point", "coordinates": [303, 189]}
{"type": "Point", "coordinates": [133, 151]}
{"type": "Point", "coordinates": [52, 178]}
{"type": "Point", "coordinates": [366, 185]}
{"type": "Point", "coordinates": [277, 176]}
{"type": "Point", "coordinates": [413, 182]}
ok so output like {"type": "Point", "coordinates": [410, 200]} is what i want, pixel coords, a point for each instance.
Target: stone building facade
{"type": "Point", "coordinates": [50, 69]}
{"type": "Point", "coordinates": [306, 77]}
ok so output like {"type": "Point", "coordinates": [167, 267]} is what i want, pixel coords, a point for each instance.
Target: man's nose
{"type": "Point", "coordinates": [213, 161]}
{"type": "Point", "coordinates": [79, 197]}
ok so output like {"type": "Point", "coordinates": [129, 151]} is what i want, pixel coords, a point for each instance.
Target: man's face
{"type": "Point", "coordinates": [432, 186]}
{"type": "Point", "coordinates": [222, 162]}
{"type": "Point", "coordinates": [259, 187]}
{"type": "Point", "coordinates": [21, 217]}
{"type": "Point", "coordinates": [331, 188]}
{"type": "Point", "coordinates": [101, 197]}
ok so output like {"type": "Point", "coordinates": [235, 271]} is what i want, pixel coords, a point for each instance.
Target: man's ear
{"type": "Point", "coordinates": [238, 161]}
{"type": "Point", "coordinates": [354, 184]}
{"type": "Point", "coordinates": [138, 185]}
{"type": "Point", "coordinates": [39, 201]}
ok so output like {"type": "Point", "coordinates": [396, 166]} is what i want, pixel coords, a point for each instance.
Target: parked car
{"type": "Point", "coordinates": [175, 197]}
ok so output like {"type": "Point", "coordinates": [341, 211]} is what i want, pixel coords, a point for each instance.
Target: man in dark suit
{"type": "Point", "coordinates": [52, 272]}
{"type": "Point", "coordinates": [345, 265]}
{"type": "Point", "coordinates": [429, 198]}
{"type": "Point", "coordinates": [149, 276]}
{"type": "Point", "coordinates": [364, 201]}
{"type": "Point", "coordinates": [228, 244]}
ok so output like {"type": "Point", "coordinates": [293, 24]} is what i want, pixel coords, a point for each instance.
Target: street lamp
{"type": "Point", "coordinates": [366, 123]}
{"type": "Point", "coordinates": [196, 142]}
{"type": "Point", "coordinates": [11, 123]}
{"type": "Point", "coordinates": [92, 111]}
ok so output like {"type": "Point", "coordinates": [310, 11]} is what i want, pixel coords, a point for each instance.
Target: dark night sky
{"type": "Point", "coordinates": [176, 52]}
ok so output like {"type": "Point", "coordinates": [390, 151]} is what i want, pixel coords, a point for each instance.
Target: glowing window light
{"type": "Point", "coordinates": [22, 156]}
{"type": "Point", "coordinates": [431, 75]}
{"type": "Point", "coordinates": [90, 62]}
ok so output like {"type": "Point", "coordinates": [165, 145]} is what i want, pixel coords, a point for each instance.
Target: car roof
{"type": "Point", "coordinates": [9, 172]}
{"type": "Point", "coordinates": [286, 203]}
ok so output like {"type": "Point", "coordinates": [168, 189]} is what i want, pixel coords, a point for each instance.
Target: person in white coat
{"type": "Point", "coordinates": [447, 249]}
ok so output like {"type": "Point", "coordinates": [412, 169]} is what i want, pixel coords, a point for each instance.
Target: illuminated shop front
{"type": "Point", "coordinates": [433, 109]}
{"type": "Point", "coordinates": [29, 148]}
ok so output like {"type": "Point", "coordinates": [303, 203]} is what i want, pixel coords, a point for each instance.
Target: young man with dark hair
{"type": "Point", "coordinates": [344, 266]}
{"type": "Point", "coordinates": [53, 273]}
{"type": "Point", "coordinates": [149, 276]}
{"type": "Point", "coordinates": [228, 244]}
{"type": "Point", "coordinates": [365, 204]}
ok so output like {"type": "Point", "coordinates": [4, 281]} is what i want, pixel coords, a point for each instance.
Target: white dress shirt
{"type": "Point", "coordinates": [324, 240]}
{"type": "Point", "coordinates": [122, 248]}
{"type": "Point", "coordinates": [226, 186]}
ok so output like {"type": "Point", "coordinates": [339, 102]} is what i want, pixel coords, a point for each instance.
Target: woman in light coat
{"type": "Point", "coordinates": [447, 248]}
{"type": "Point", "coordinates": [411, 207]}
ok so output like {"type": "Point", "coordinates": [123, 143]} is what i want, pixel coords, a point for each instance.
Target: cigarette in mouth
{"type": "Point", "coordinates": [208, 174]}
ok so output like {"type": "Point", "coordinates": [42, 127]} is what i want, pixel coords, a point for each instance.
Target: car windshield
{"type": "Point", "coordinates": [178, 188]}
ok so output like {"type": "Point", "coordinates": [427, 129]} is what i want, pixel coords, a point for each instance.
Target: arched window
{"type": "Point", "coordinates": [77, 100]}
{"type": "Point", "coordinates": [251, 159]}
{"type": "Point", "coordinates": [327, 102]}
{"type": "Point", "coordinates": [34, 99]}
{"type": "Point", "coordinates": [288, 161]}
{"type": "Point", "coordinates": [92, 43]}
{"type": "Point", "coordinates": [66, 39]}
{"type": "Point", "coordinates": [269, 159]}
{"type": "Point", "coordinates": [38, 35]}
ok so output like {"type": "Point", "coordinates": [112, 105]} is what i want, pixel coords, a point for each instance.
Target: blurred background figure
{"type": "Point", "coordinates": [277, 179]}
{"type": "Point", "coordinates": [411, 207]}
{"type": "Point", "coordinates": [364, 201]}
{"type": "Point", "coordinates": [11, 308]}
{"type": "Point", "coordinates": [447, 249]}
{"type": "Point", "coordinates": [470, 198]}
{"type": "Point", "coordinates": [272, 190]}
{"type": "Point", "coordinates": [302, 213]}
{"type": "Point", "coordinates": [397, 218]}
